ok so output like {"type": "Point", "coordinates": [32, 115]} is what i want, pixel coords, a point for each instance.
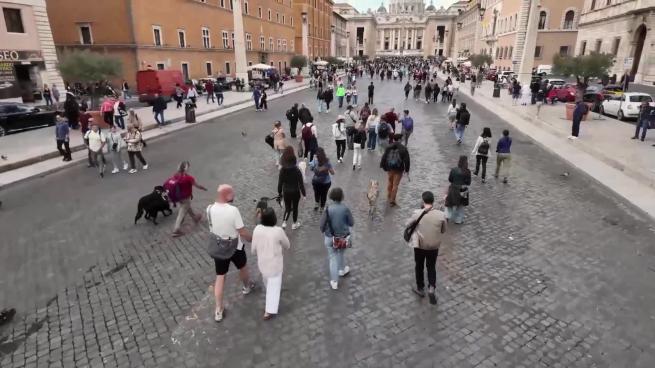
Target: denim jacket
{"type": "Point", "coordinates": [341, 220]}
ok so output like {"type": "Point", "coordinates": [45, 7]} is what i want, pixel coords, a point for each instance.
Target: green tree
{"type": "Point", "coordinates": [479, 60]}
{"type": "Point", "coordinates": [89, 68]}
{"type": "Point", "coordinates": [583, 67]}
{"type": "Point", "coordinates": [299, 61]}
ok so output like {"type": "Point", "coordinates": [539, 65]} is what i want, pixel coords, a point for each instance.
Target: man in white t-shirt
{"type": "Point", "coordinates": [95, 142]}
{"type": "Point", "coordinates": [225, 221]}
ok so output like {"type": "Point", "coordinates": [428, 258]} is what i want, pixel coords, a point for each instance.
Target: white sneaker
{"type": "Point", "coordinates": [295, 226]}
{"type": "Point", "coordinates": [125, 167]}
{"type": "Point", "coordinates": [115, 170]}
{"type": "Point", "coordinates": [284, 224]}
{"type": "Point", "coordinates": [345, 271]}
{"type": "Point", "coordinates": [132, 171]}
{"type": "Point", "coordinates": [145, 167]}
{"type": "Point", "coordinates": [218, 315]}
{"type": "Point", "coordinates": [334, 285]}
{"type": "Point", "coordinates": [247, 290]}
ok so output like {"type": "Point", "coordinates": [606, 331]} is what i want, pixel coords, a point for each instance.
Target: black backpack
{"type": "Point", "coordinates": [483, 149]}
{"type": "Point", "coordinates": [289, 114]}
{"type": "Point", "coordinates": [384, 130]}
{"type": "Point", "coordinates": [464, 117]}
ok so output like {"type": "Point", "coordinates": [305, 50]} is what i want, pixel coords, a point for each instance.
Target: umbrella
{"type": "Point", "coordinates": [260, 66]}
{"type": "Point", "coordinates": [321, 62]}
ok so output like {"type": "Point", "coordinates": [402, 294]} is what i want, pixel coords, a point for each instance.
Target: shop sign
{"type": "Point", "coordinates": [8, 82]}
{"type": "Point", "coordinates": [20, 55]}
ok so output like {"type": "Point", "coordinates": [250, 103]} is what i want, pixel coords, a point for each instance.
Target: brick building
{"type": "Point", "coordinates": [194, 36]}
{"type": "Point", "coordinates": [317, 15]}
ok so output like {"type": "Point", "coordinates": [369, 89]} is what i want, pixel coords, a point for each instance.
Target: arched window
{"type": "Point", "coordinates": [568, 19]}
{"type": "Point", "coordinates": [542, 19]}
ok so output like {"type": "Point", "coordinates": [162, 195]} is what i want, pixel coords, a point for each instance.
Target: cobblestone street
{"type": "Point", "coordinates": [550, 270]}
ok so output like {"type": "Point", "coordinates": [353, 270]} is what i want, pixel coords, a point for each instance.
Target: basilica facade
{"type": "Point", "coordinates": [402, 28]}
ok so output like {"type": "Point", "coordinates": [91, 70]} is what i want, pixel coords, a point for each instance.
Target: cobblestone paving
{"type": "Point", "coordinates": [547, 271]}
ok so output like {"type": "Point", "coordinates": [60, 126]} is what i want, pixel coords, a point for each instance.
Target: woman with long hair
{"type": "Point", "coordinates": [336, 222]}
{"type": "Point", "coordinates": [481, 152]}
{"type": "Point", "coordinates": [452, 113]}
{"type": "Point", "coordinates": [458, 192]}
{"type": "Point", "coordinates": [321, 181]}
{"type": "Point", "coordinates": [290, 186]}
{"type": "Point", "coordinates": [371, 126]}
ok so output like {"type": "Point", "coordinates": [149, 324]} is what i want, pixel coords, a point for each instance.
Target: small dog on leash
{"type": "Point", "coordinates": [302, 165]}
{"type": "Point", "coordinates": [372, 195]}
{"type": "Point", "coordinates": [152, 203]}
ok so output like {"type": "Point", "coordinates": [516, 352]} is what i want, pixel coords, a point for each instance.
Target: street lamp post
{"type": "Point", "coordinates": [333, 41]}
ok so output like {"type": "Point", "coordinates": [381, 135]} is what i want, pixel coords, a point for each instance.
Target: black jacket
{"type": "Point", "coordinates": [404, 156]}
{"type": "Point", "coordinates": [159, 104]}
{"type": "Point", "coordinates": [293, 114]}
{"type": "Point", "coordinates": [304, 115]}
{"type": "Point", "coordinates": [290, 181]}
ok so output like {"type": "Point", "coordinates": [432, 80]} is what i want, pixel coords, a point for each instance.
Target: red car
{"type": "Point", "coordinates": [566, 93]}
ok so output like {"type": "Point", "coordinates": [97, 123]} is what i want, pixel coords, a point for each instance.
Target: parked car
{"type": "Point", "coordinates": [612, 89]}
{"type": "Point", "coordinates": [15, 117]}
{"type": "Point", "coordinates": [555, 82]}
{"type": "Point", "coordinates": [149, 82]}
{"type": "Point", "coordinates": [626, 105]}
{"type": "Point", "coordinates": [566, 93]}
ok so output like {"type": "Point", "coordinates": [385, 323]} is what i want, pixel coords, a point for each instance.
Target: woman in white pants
{"type": "Point", "coordinates": [268, 242]}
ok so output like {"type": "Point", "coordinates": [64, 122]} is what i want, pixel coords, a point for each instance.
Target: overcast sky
{"type": "Point", "coordinates": [363, 5]}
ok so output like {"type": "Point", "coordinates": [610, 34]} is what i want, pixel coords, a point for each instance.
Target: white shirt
{"type": "Point", "coordinates": [225, 221]}
{"type": "Point", "coordinates": [339, 134]}
{"type": "Point", "coordinates": [268, 243]}
{"type": "Point", "coordinates": [372, 122]}
{"type": "Point", "coordinates": [96, 139]}
{"type": "Point", "coordinates": [192, 93]}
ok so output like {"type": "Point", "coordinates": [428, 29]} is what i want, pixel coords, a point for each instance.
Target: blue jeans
{"type": "Point", "coordinates": [335, 257]}
{"type": "Point", "coordinates": [340, 98]}
{"type": "Point", "coordinates": [159, 118]}
{"type": "Point", "coordinates": [219, 98]}
{"type": "Point", "coordinates": [459, 131]}
{"type": "Point", "coordinates": [455, 214]}
{"type": "Point", "coordinates": [643, 124]}
{"type": "Point", "coordinates": [372, 139]}
{"type": "Point", "coordinates": [319, 105]}
{"type": "Point", "coordinates": [119, 121]}
{"type": "Point", "coordinates": [354, 100]}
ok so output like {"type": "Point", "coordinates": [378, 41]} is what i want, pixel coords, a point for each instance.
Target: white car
{"type": "Point", "coordinates": [626, 105]}
{"type": "Point", "coordinates": [556, 83]}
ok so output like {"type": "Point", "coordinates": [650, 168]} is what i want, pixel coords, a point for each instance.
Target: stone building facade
{"type": "Point", "coordinates": [338, 41]}
{"type": "Point", "coordinates": [504, 29]}
{"type": "Point", "coordinates": [624, 28]}
{"type": "Point", "coordinates": [407, 28]}
{"type": "Point", "coordinates": [194, 36]}
{"type": "Point", "coordinates": [315, 16]}
{"type": "Point", "coordinates": [27, 52]}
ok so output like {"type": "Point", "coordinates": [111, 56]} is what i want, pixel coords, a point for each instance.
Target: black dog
{"type": "Point", "coordinates": [262, 204]}
{"type": "Point", "coordinates": [151, 204]}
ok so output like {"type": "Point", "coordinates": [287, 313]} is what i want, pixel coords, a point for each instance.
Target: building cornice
{"type": "Point", "coordinates": [633, 12]}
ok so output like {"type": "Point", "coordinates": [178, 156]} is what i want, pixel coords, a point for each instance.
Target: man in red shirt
{"type": "Point", "coordinates": [184, 184]}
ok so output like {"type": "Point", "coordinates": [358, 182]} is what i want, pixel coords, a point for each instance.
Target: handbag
{"type": "Point", "coordinates": [409, 230]}
{"type": "Point", "coordinates": [218, 247]}
{"type": "Point", "coordinates": [269, 140]}
{"type": "Point", "coordinates": [338, 242]}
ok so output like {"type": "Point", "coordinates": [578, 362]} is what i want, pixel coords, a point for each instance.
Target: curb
{"type": "Point", "coordinates": [42, 158]}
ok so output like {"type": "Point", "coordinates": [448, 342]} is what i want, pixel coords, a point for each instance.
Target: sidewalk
{"type": "Point", "coordinates": [604, 150]}
{"type": "Point", "coordinates": [35, 153]}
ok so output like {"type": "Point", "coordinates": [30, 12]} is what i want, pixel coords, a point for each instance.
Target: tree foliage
{"type": "Point", "coordinates": [88, 67]}
{"type": "Point", "coordinates": [479, 60]}
{"type": "Point", "coordinates": [583, 67]}
{"type": "Point", "coordinates": [298, 61]}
